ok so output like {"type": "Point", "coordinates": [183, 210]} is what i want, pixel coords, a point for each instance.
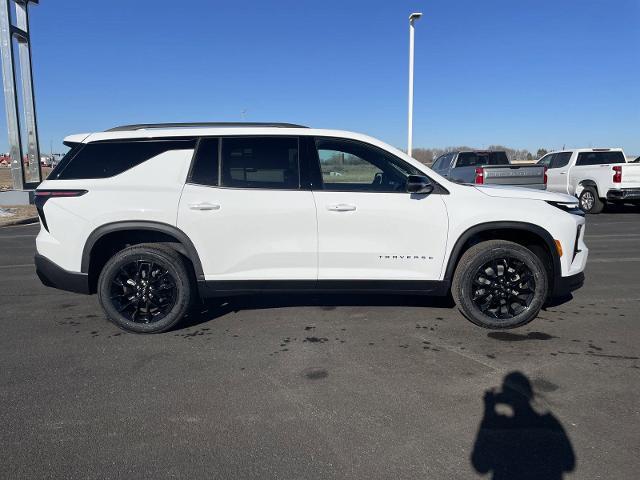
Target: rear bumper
{"type": "Point", "coordinates": [624, 194]}
{"type": "Point", "coordinates": [563, 286]}
{"type": "Point", "coordinates": [52, 275]}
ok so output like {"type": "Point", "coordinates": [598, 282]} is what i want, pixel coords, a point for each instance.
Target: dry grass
{"type": "Point", "coordinates": [6, 182]}
{"type": "Point", "coordinates": [20, 212]}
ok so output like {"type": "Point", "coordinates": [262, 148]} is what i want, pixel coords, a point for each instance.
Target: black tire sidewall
{"type": "Point", "coordinates": [166, 259]}
{"type": "Point", "coordinates": [597, 206]}
{"type": "Point", "coordinates": [464, 285]}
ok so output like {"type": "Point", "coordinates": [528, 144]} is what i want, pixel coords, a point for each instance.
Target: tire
{"type": "Point", "coordinates": [137, 304]}
{"type": "Point", "coordinates": [589, 201]}
{"type": "Point", "coordinates": [476, 267]}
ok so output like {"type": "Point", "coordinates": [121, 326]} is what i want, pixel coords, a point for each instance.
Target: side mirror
{"type": "Point", "coordinates": [419, 184]}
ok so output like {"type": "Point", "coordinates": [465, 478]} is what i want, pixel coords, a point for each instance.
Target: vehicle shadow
{"type": "Point", "coordinates": [218, 307]}
{"type": "Point", "coordinates": [521, 444]}
{"type": "Point", "coordinates": [620, 209]}
{"type": "Point", "coordinates": [557, 301]}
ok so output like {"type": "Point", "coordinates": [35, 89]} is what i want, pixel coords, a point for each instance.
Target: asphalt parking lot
{"type": "Point", "coordinates": [324, 387]}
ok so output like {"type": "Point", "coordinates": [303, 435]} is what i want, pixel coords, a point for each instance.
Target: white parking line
{"type": "Point", "coordinates": [589, 224]}
{"type": "Point", "coordinates": [2, 237]}
{"type": "Point", "coordinates": [613, 260]}
{"type": "Point", "coordinates": [624, 235]}
{"type": "Point", "coordinates": [21, 225]}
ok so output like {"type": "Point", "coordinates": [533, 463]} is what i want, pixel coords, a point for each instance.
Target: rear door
{"type": "Point", "coordinates": [369, 227]}
{"type": "Point", "coordinates": [245, 211]}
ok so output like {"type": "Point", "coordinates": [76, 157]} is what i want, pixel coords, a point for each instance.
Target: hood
{"type": "Point", "coordinates": [503, 191]}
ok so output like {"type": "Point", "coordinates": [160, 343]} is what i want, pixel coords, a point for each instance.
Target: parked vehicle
{"type": "Point", "coordinates": [594, 175]}
{"type": "Point", "coordinates": [155, 217]}
{"type": "Point", "coordinates": [488, 167]}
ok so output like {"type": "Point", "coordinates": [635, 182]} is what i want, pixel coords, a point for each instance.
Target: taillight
{"type": "Point", "coordinates": [43, 195]}
{"type": "Point", "coordinates": [617, 174]}
{"type": "Point", "coordinates": [479, 175]}
{"type": "Point", "coordinates": [59, 193]}
{"type": "Point", "coordinates": [545, 174]}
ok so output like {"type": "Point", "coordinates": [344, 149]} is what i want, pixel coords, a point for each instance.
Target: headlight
{"type": "Point", "coordinates": [569, 207]}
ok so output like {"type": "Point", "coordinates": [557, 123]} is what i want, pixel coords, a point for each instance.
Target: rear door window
{"type": "Point", "coordinates": [109, 158]}
{"type": "Point", "coordinates": [260, 162]}
{"type": "Point", "coordinates": [561, 160]}
{"type": "Point", "coordinates": [599, 158]}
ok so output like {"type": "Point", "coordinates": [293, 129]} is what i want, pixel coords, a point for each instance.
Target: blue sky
{"type": "Point", "coordinates": [526, 74]}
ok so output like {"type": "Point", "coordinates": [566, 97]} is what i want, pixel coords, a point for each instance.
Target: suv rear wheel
{"type": "Point", "coordinates": [499, 284]}
{"type": "Point", "coordinates": [145, 288]}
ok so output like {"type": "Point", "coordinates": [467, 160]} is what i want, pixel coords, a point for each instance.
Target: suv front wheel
{"type": "Point", "coordinates": [499, 284]}
{"type": "Point", "coordinates": [145, 288]}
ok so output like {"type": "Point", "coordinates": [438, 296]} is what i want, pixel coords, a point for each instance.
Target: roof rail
{"type": "Point", "coordinates": [143, 126]}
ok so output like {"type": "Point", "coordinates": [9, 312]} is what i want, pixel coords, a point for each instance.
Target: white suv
{"type": "Point", "coordinates": [155, 217]}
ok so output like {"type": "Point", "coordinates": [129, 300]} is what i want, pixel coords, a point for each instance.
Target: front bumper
{"type": "Point", "coordinates": [563, 286]}
{"type": "Point", "coordinates": [624, 194]}
{"type": "Point", "coordinates": [52, 275]}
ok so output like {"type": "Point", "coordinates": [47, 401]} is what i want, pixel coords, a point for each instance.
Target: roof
{"type": "Point", "coordinates": [595, 149]}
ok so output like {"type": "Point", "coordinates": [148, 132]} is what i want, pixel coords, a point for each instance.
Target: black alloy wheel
{"type": "Point", "coordinates": [146, 288]}
{"type": "Point", "coordinates": [503, 288]}
{"type": "Point", "coordinates": [500, 284]}
{"type": "Point", "coordinates": [143, 291]}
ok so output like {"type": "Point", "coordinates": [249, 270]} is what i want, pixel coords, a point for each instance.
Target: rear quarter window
{"type": "Point", "coordinates": [110, 158]}
{"type": "Point", "coordinates": [599, 158]}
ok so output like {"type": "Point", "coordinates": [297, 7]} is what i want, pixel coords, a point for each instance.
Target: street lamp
{"type": "Point", "coordinates": [412, 18]}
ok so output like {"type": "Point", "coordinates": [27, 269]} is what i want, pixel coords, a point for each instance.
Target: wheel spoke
{"type": "Point", "coordinates": [143, 290]}
{"type": "Point", "coordinates": [503, 287]}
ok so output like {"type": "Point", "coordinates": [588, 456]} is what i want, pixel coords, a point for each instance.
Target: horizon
{"type": "Point", "coordinates": [498, 73]}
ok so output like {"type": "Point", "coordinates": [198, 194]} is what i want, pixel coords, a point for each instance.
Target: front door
{"type": "Point", "coordinates": [245, 212]}
{"type": "Point", "coordinates": [369, 227]}
{"type": "Point", "coordinates": [557, 173]}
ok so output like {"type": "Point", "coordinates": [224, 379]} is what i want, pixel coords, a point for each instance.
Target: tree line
{"type": "Point", "coordinates": [428, 155]}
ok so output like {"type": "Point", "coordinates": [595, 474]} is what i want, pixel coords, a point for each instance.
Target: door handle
{"type": "Point", "coordinates": [341, 207]}
{"type": "Point", "coordinates": [563, 173]}
{"type": "Point", "coordinates": [204, 206]}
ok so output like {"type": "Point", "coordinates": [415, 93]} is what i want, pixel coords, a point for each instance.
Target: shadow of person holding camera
{"type": "Point", "coordinates": [523, 444]}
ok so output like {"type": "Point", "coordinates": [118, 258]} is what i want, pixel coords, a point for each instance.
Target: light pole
{"type": "Point", "coordinates": [412, 18]}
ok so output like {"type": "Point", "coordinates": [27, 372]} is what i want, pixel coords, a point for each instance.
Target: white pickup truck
{"type": "Point", "coordinates": [594, 175]}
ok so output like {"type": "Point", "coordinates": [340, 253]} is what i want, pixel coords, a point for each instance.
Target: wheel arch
{"type": "Point", "coordinates": [506, 230]}
{"type": "Point", "coordinates": [139, 232]}
{"type": "Point", "coordinates": [586, 183]}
